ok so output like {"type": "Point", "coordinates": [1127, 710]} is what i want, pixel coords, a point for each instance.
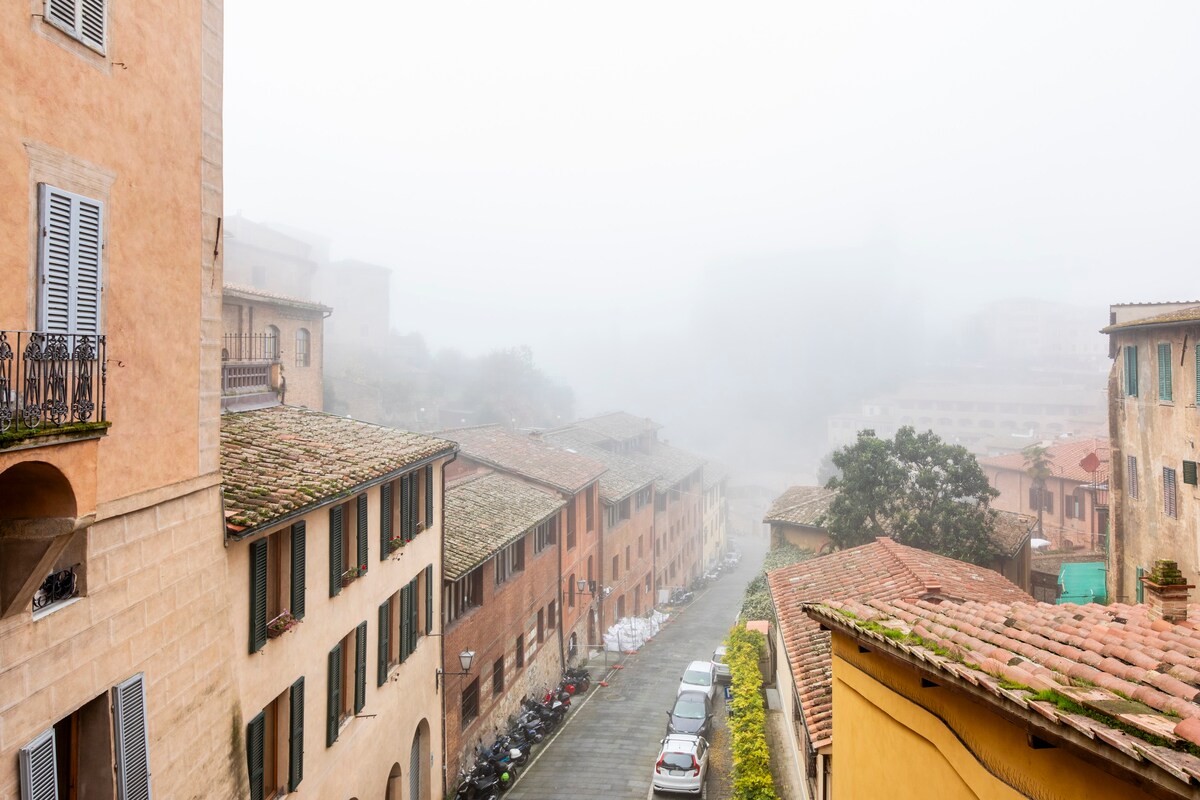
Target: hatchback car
{"type": "Point", "coordinates": [720, 667]}
{"type": "Point", "coordinates": [682, 764]}
{"type": "Point", "coordinates": [692, 714]}
{"type": "Point", "coordinates": [698, 677]}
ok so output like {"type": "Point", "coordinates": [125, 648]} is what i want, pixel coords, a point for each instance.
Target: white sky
{"type": "Point", "coordinates": [551, 173]}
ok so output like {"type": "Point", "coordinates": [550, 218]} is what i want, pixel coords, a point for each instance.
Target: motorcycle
{"type": "Point", "coordinates": [477, 784]}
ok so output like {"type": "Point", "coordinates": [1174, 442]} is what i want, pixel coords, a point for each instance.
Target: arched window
{"type": "Point", "coordinates": [303, 358]}
{"type": "Point", "coordinates": [271, 343]}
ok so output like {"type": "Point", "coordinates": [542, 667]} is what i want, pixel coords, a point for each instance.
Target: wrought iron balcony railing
{"type": "Point", "coordinates": [250, 347]}
{"type": "Point", "coordinates": [51, 380]}
{"type": "Point", "coordinates": [58, 586]}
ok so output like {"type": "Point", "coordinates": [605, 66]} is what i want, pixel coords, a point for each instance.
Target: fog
{"type": "Point", "coordinates": [735, 218]}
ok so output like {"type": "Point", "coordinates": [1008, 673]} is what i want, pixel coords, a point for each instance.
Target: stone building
{"type": "Point", "coordinates": [796, 518]}
{"type": "Point", "coordinates": [334, 656]}
{"type": "Point", "coordinates": [115, 660]}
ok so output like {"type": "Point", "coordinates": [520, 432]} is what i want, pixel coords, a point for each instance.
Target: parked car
{"type": "Point", "coordinates": [698, 677]}
{"type": "Point", "coordinates": [692, 714]}
{"type": "Point", "coordinates": [720, 667]}
{"type": "Point", "coordinates": [682, 764]}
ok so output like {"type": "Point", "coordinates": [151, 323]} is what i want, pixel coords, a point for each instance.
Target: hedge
{"type": "Point", "coordinates": [747, 717]}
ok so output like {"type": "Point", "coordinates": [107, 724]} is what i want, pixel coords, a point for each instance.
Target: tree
{"type": "Point", "coordinates": [917, 490]}
{"type": "Point", "coordinates": [1037, 467]}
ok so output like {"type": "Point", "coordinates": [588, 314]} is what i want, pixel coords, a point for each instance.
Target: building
{"type": "Point", "coordinates": [334, 655]}
{"type": "Point", "coordinates": [273, 350]}
{"type": "Point", "coordinates": [796, 517]}
{"type": "Point", "coordinates": [261, 257]}
{"type": "Point", "coordinates": [500, 602]}
{"type": "Point", "coordinates": [714, 533]}
{"type": "Point", "coordinates": [997, 698]}
{"type": "Point", "coordinates": [880, 571]}
{"type": "Point", "coordinates": [1074, 499]}
{"type": "Point", "coordinates": [115, 672]}
{"type": "Point", "coordinates": [1153, 391]}
{"type": "Point", "coordinates": [1012, 541]}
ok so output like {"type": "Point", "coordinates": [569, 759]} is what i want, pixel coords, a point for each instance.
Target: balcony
{"type": "Point", "coordinates": [251, 373]}
{"type": "Point", "coordinates": [51, 385]}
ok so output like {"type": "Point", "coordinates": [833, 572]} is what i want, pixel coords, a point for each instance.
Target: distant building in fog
{"type": "Point", "coordinates": [262, 257]}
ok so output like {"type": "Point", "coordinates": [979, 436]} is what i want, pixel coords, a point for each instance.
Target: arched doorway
{"type": "Point", "coordinates": [393, 783]}
{"type": "Point", "coordinates": [419, 779]}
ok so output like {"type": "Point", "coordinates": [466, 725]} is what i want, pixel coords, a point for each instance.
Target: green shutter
{"type": "Point", "coordinates": [299, 566]}
{"type": "Point", "coordinates": [254, 755]}
{"type": "Point", "coordinates": [336, 565]}
{"type": "Point", "coordinates": [406, 521]}
{"type": "Point", "coordinates": [1138, 585]}
{"type": "Point", "coordinates": [385, 640]}
{"type": "Point", "coordinates": [429, 496]}
{"type": "Point", "coordinates": [403, 623]}
{"type": "Point", "coordinates": [296, 736]}
{"type": "Point", "coordinates": [360, 667]}
{"type": "Point", "coordinates": [362, 531]}
{"type": "Point", "coordinates": [428, 598]}
{"type": "Point", "coordinates": [414, 489]}
{"type": "Point", "coordinates": [1165, 384]}
{"type": "Point", "coordinates": [1189, 472]}
{"type": "Point", "coordinates": [413, 630]}
{"type": "Point", "coordinates": [258, 595]}
{"type": "Point", "coordinates": [385, 520]}
{"type": "Point", "coordinates": [1131, 371]}
{"type": "Point", "coordinates": [333, 711]}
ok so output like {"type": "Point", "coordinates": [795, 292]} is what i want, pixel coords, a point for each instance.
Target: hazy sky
{"type": "Point", "coordinates": [552, 173]}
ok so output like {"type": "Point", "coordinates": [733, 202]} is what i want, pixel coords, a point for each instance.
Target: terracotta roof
{"type": "Point", "coordinates": [526, 455]}
{"type": "Point", "coordinates": [486, 512]}
{"type": "Point", "coordinates": [801, 505]}
{"type": "Point", "coordinates": [882, 569]}
{"type": "Point", "coordinates": [618, 425]}
{"type": "Point", "coordinates": [281, 460]}
{"type": "Point", "coordinates": [1011, 531]}
{"type": "Point", "coordinates": [1111, 660]}
{"type": "Point", "coordinates": [249, 293]}
{"type": "Point", "coordinates": [714, 474]}
{"type": "Point", "coordinates": [1064, 458]}
{"type": "Point", "coordinates": [1178, 316]}
{"type": "Point", "coordinates": [623, 477]}
{"type": "Point", "coordinates": [669, 464]}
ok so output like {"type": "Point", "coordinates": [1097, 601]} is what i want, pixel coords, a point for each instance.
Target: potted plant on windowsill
{"type": "Point", "coordinates": [281, 624]}
{"type": "Point", "coordinates": [395, 543]}
{"type": "Point", "coordinates": [351, 574]}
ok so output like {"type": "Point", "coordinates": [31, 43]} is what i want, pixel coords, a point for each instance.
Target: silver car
{"type": "Point", "coordinates": [719, 665]}
{"type": "Point", "coordinates": [699, 677]}
{"type": "Point", "coordinates": [682, 764]}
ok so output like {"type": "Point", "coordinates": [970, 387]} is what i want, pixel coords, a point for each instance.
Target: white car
{"type": "Point", "coordinates": [700, 676]}
{"type": "Point", "coordinates": [720, 666]}
{"type": "Point", "coordinates": [682, 764]}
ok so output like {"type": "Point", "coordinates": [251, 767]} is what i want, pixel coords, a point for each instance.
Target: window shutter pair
{"type": "Point", "coordinates": [82, 19]}
{"type": "Point", "coordinates": [333, 712]}
{"type": "Point", "coordinates": [258, 595]}
{"type": "Point", "coordinates": [336, 565]}
{"type": "Point", "coordinates": [385, 520]}
{"type": "Point", "coordinates": [360, 667]}
{"type": "Point", "coordinates": [385, 640]}
{"type": "Point", "coordinates": [71, 233]}
{"type": "Point", "coordinates": [362, 531]}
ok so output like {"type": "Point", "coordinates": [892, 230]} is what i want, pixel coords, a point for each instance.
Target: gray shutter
{"type": "Point", "coordinates": [296, 736]}
{"type": "Point", "coordinates": [385, 640]}
{"type": "Point", "coordinates": [428, 497]}
{"type": "Point", "coordinates": [71, 228]}
{"type": "Point", "coordinates": [62, 11]}
{"type": "Point", "coordinates": [385, 520]}
{"type": "Point", "coordinates": [403, 623]}
{"type": "Point", "coordinates": [258, 595]}
{"type": "Point", "coordinates": [406, 509]}
{"type": "Point", "coordinates": [360, 667]}
{"type": "Point", "coordinates": [39, 777]}
{"type": "Point", "coordinates": [412, 611]}
{"type": "Point", "coordinates": [428, 598]}
{"type": "Point", "coordinates": [299, 567]}
{"type": "Point", "coordinates": [254, 755]}
{"type": "Point", "coordinates": [362, 531]}
{"type": "Point", "coordinates": [91, 23]}
{"type": "Point", "coordinates": [414, 489]}
{"type": "Point", "coordinates": [414, 768]}
{"type": "Point", "coordinates": [132, 739]}
{"type": "Point", "coordinates": [333, 711]}
{"type": "Point", "coordinates": [336, 567]}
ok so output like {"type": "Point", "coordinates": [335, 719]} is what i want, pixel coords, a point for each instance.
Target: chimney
{"type": "Point", "coordinates": [1167, 592]}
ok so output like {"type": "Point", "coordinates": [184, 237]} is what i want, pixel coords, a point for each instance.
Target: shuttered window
{"type": "Point", "coordinates": [404, 620]}
{"type": "Point", "coordinates": [360, 667]}
{"type": "Point", "coordinates": [296, 735]}
{"type": "Point", "coordinates": [299, 567]}
{"type": "Point", "coordinates": [255, 733]}
{"type": "Point", "coordinates": [80, 19]}
{"type": "Point", "coordinates": [1165, 384]}
{"type": "Point", "coordinates": [414, 502]}
{"type": "Point", "coordinates": [1189, 473]}
{"type": "Point", "coordinates": [1131, 374]}
{"type": "Point", "coordinates": [1169, 499]}
{"type": "Point", "coordinates": [385, 641]}
{"type": "Point", "coordinates": [428, 598]}
{"type": "Point", "coordinates": [132, 740]}
{"type": "Point", "coordinates": [1198, 375]}
{"type": "Point", "coordinates": [361, 519]}
{"type": "Point", "coordinates": [36, 762]}
{"type": "Point", "coordinates": [406, 510]}
{"type": "Point", "coordinates": [1131, 475]}
{"type": "Point", "coordinates": [336, 564]}
{"type": "Point", "coordinates": [413, 628]}
{"type": "Point", "coordinates": [258, 595]}
{"type": "Point", "coordinates": [385, 520]}
{"type": "Point", "coordinates": [333, 714]}
{"type": "Point", "coordinates": [71, 231]}
{"type": "Point", "coordinates": [429, 495]}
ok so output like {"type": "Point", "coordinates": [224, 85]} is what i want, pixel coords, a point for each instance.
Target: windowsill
{"type": "Point", "coordinates": [50, 609]}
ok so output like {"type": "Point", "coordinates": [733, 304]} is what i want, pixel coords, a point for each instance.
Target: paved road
{"type": "Point", "coordinates": [608, 746]}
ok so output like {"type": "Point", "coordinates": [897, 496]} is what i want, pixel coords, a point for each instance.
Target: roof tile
{"type": "Point", "coordinates": [526, 455]}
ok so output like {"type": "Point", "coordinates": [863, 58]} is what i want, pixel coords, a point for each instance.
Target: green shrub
{"type": "Point", "coordinates": [757, 602]}
{"type": "Point", "coordinates": [747, 717]}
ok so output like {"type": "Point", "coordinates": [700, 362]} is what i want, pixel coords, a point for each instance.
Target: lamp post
{"type": "Point", "coordinates": [464, 659]}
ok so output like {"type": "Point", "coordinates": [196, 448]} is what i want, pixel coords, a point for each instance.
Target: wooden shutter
{"type": "Point", "coordinates": [428, 496]}
{"type": "Point", "coordinates": [333, 698]}
{"type": "Point", "coordinates": [1131, 371]}
{"type": "Point", "coordinates": [385, 640]}
{"type": "Point", "coordinates": [336, 566]}
{"type": "Point", "coordinates": [413, 630]}
{"type": "Point", "coordinates": [385, 520]}
{"type": "Point", "coordinates": [91, 23]}
{"type": "Point", "coordinates": [362, 530]}
{"type": "Point", "coordinates": [428, 598]}
{"type": "Point", "coordinates": [296, 736]}
{"type": "Point", "coordinates": [39, 776]}
{"type": "Point", "coordinates": [71, 228]}
{"type": "Point", "coordinates": [299, 567]}
{"type": "Point", "coordinates": [406, 509]}
{"type": "Point", "coordinates": [414, 488]}
{"type": "Point", "coordinates": [1165, 384]}
{"type": "Point", "coordinates": [1198, 374]}
{"type": "Point", "coordinates": [1189, 473]}
{"type": "Point", "coordinates": [132, 739]}
{"type": "Point", "coordinates": [360, 667]}
{"type": "Point", "coordinates": [254, 755]}
{"type": "Point", "coordinates": [258, 595]}
{"type": "Point", "coordinates": [403, 623]}
{"type": "Point", "coordinates": [62, 11]}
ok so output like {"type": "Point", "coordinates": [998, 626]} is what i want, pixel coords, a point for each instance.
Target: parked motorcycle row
{"type": "Point", "coordinates": [496, 767]}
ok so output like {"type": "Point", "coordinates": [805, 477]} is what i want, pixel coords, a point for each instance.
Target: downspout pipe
{"type": "Point", "coordinates": [442, 638]}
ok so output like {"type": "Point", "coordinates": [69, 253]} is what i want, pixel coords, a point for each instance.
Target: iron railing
{"type": "Point", "coordinates": [61, 585]}
{"type": "Point", "coordinates": [50, 380]}
{"type": "Point", "coordinates": [250, 347]}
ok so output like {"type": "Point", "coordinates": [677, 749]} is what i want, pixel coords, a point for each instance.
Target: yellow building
{"type": "Point", "coordinates": [115, 674]}
{"type": "Point", "coordinates": [796, 518]}
{"type": "Point", "coordinates": [334, 533]}
{"type": "Point", "coordinates": [1003, 700]}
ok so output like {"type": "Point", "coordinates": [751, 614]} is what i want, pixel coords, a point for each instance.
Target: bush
{"type": "Point", "coordinates": [747, 717]}
{"type": "Point", "coordinates": [757, 602]}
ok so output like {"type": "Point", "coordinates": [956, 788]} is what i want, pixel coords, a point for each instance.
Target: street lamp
{"type": "Point", "coordinates": [464, 659]}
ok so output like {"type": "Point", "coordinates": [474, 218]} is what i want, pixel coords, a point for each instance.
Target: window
{"type": "Point", "coordinates": [590, 510]}
{"type": "Point", "coordinates": [389, 643]}
{"type": "Point", "coordinates": [346, 690]}
{"type": "Point", "coordinates": [409, 623]}
{"type": "Point", "coordinates": [552, 614]}
{"type": "Point", "coordinates": [1165, 384]}
{"type": "Point", "coordinates": [571, 592]}
{"type": "Point", "coordinates": [70, 259]}
{"type": "Point", "coordinates": [470, 702]}
{"type": "Point", "coordinates": [541, 626]}
{"type": "Point", "coordinates": [616, 562]}
{"type": "Point", "coordinates": [520, 650]}
{"type": "Point", "coordinates": [644, 497]}
{"type": "Point", "coordinates": [545, 534]}
{"type": "Point", "coordinates": [510, 561]}
{"type": "Point", "coordinates": [303, 352]}
{"type": "Point", "coordinates": [624, 508]}
{"type": "Point", "coordinates": [1189, 473]}
{"type": "Point", "coordinates": [271, 345]}
{"type": "Point", "coordinates": [571, 524]}
{"type": "Point", "coordinates": [271, 745]}
{"type": "Point", "coordinates": [611, 517]}
{"type": "Point", "coordinates": [639, 548]}
{"type": "Point", "coordinates": [277, 568]}
{"type": "Point", "coordinates": [1131, 373]}
{"type": "Point", "coordinates": [49, 765]}
{"type": "Point", "coordinates": [462, 595]}
{"type": "Point", "coordinates": [498, 677]}
{"type": "Point", "coordinates": [1041, 498]}
{"type": "Point", "coordinates": [1169, 507]}
{"type": "Point", "coordinates": [1073, 505]}
{"type": "Point", "coordinates": [1131, 475]}
{"type": "Point", "coordinates": [1138, 586]}
{"type": "Point", "coordinates": [80, 19]}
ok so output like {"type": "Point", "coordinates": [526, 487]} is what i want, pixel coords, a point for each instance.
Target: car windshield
{"type": "Point", "coordinates": [690, 707]}
{"type": "Point", "coordinates": [719, 657]}
{"type": "Point", "coordinates": [699, 677]}
{"type": "Point", "coordinates": [677, 760]}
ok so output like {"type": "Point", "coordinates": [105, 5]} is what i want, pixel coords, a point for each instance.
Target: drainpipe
{"type": "Point", "coordinates": [442, 639]}
{"type": "Point", "coordinates": [558, 542]}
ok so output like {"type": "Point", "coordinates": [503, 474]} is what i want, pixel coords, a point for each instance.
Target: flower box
{"type": "Point", "coordinates": [353, 573]}
{"type": "Point", "coordinates": [395, 544]}
{"type": "Point", "coordinates": [281, 625]}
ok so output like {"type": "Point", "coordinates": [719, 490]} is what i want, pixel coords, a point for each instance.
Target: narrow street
{"type": "Point", "coordinates": [607, 748]}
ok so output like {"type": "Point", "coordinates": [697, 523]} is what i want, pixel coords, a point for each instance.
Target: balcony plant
{"type": "Point", "coordinates": [281, 624]}
{"type": "Point", "coordinates": [351, 574]}
{"type": "Point", "coordinates": [395, 543]}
